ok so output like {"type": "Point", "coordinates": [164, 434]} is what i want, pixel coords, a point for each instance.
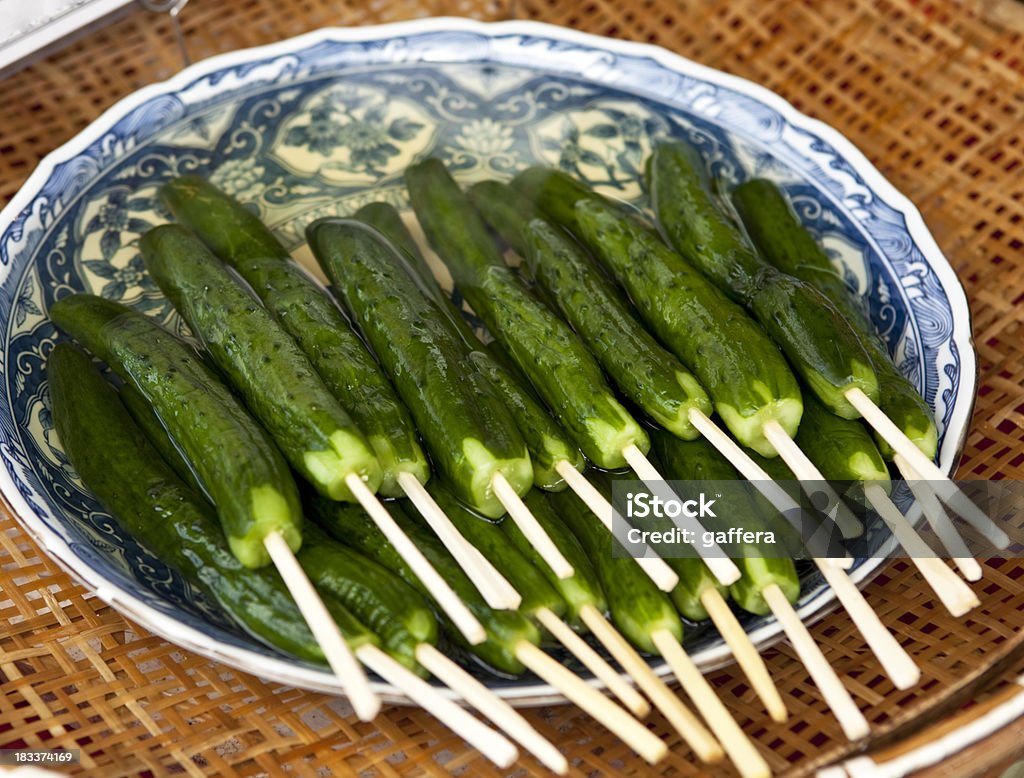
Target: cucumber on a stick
{"type": "Point", "coordinates": [545, 597]}
{"type": "Point", "coordinates": [468, 430]}
{"type": "Point", "coordinates": [131, 479]}
{"type": "Point", "coordinates": [743, 371]}
{"type": "Point", "coordinates": [325, 335]}
{"type": "Point", "coordinates": [279, 385]}
{"type": "Point", "coordinates": [769, 584]}
{"type": "Point", "coordinates": [649, 619]}
{"type": "Point", "coordinates": [557, 462]}
{"type": "Point", "coordinates": [846, 452]}
{"type": "Point", "coordinates": [558, 365]}
{"type": "Point", "coordinates": [512, 643]}
{"type": "Point", "coordinates": [783, 241]}
{"type": "Point", "coordinates": [550, 448]}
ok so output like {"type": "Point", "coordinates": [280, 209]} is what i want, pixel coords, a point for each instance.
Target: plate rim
{"type": "Point", "coordinates": [289, 672]}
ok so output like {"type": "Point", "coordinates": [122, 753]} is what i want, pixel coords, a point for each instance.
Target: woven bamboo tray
{"type": "Point", "coordinates": [933, 92]}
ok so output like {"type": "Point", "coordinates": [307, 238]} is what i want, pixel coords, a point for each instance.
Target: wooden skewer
{"type": "Point", "coordinates": [745, 757]}
{"type": "Point", "coordinates": [935, 479]}
{"type": "Point", "coordinates": [487, 741]}
{"type": "Point", "coordinates": [594, 662]}
{"type": "Point", "coordinates": [951, 590]}
{"type": "Point", "coordinates": [718, 562]}
{"type": "Point", "coordinates": [753, 472]}
{"type": "Point", "coordinates": [939, 522]}
{"type": "Point", "coordinates": [663, 576]}
{"type": "Point", "coordinates": [489, 582]}
{"type": "Point", "coordinates": [492, 706]}
{"type": "Point", "coordinates": [836, 696]}
{"type": "Point", "coordinates": [648, 745]}
{"type": "Point", "coordinates": [679, 716]}
{"type": "Point", "coordinates": [746, 654]}
{"type": "Point", "coordinates": [893, 657]}
{"type": "Point", "coordinates": [339, 656]}
{"type": "Point", "coordinates": [439, 589]}
{"type": "Point", "coordinates": [530, 527]}
{"type": "Point", "coordinates": [805, 470]}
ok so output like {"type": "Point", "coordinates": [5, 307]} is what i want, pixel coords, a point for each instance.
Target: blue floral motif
{"type": "Point", "coordinates": [117, 216]}
{"type": "Point", "coordinates": [131, 276]}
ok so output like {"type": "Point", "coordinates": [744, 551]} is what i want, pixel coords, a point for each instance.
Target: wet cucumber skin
{"type": "Point", "coordinates": [783, 241]}
{"type": "Point", "coordinates": [741, 369]}
{"type": "Point", "coordinates": [262, 361]}
{"type": "Point", "coordinates": [469, 432]}
{"type": "Point", "coordinates": [305, 310]}
{"type": "Point", "coordinates": [130, 479]}
{"type": "Point", "coordinates": [546, 441]}
{"type": "Point", "coordinates": [546, 350]}
{"type": "Point", "coordinates": [238, 465]}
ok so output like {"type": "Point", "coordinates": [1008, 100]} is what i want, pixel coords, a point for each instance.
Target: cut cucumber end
{"type": "Point", "coordinates": [749, 429]}
{"type": "Point", "coordinates": [758, 574]}
{"type": "Point", "coordinates": [328, 468]}
{"type": "Point", "coordinates": [834, 397]}
{"type": "Point", "coordinates": [483, 466]}
{"type": "Point", "coordinates": [271, 512]}
{"type": "Point", "coordinates": [392, 464]}
{"type": "Point", "coordinates": [545, 474]}
{"type": "Point", "coordinates": [607, 440]}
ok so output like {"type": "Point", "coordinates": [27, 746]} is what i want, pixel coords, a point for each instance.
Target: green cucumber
{"type": "Point", "coordinates": [273, 376]}
{"type": "Point", "coordinates": [783, 241]}
{"type": "Point", "coordinates": [698, 460]}
{"type": "Point", "coordinates": [395, 611]}
{"type": "Point", "coordinates": [842, 449]}
{"type": "Point", "coordinates": [820, 344]}
{"type": "Point", "coordinates": [130, 479]}
{"type": "Point", "coordinates": [307, 313]}
{"type": "Point", "coordinates": [738, 365]}
{"type": "Point", "coordinates": [640, 367]}
{"type": "Point", "coordinates": [468, 431]}
{"type": "Point", "coordinates": [547, 442]}
{"type": "Point", "coordinates": [350, 525]}
{"type": "Point", "coordinates": [147, 420]}
{"type": "Point", "coordinates": [581, 588]}
{"type": "Point", "coordinates": [637, 606]}
{"type": "Point", "coordinates": [526, 577]}
{"type": "Point", "coordinates": [548, 352]}
{"type": "Point", "coordinates": [239, 467]}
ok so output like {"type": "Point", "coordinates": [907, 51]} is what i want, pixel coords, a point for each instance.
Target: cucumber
{"type": "Point", "coordinates": [637, 606]}
{"type": "Point", "coordinates": [640, 367]}
{"type": "Point", "coordinates": [695, 579]}
{"type": "Point", "coordinates": [738, 365]}
{"type": "Point", "coordinates": [698, 460]}
{"type": "Point", "coordinates": [504, 211]}
{"type": "Point", "coordinates": [350, 525]}
{"type": "Point", "coordinates": [467, 429]}
{"type": "Point", "coordinates": [822, 347]}
{"type": "Point", "coordinates": [547, 442]}
{"type": "Point", "coordinates": [147, 420]}
{"type": "Point", "coordinates": [783, 241]}
{"type": "Point", "coordinates": [307, 313]}
{"type": "Point", "coordinates": [558, 365]}
{"type": "Point", "coordinates": [526, 577]}
{"type": "Point", "coordinates": [397, 613]}
{"type": "Point", "coordinates": [581, 588]}
{"type": "Point", "coordinates": [842, 449]}
{"type": "Point", "coordinates": [130, 479]}
{"type": "Point", "coordinates": [273, 376]}
{"type": "Point", "coordinates": [239, 467]}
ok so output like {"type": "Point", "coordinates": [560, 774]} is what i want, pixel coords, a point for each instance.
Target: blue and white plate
{"type": "Point", "coordinates": [324, 123]}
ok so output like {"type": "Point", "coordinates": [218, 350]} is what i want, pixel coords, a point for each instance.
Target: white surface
{"type": "Point", "coordinates": [29, 25]}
